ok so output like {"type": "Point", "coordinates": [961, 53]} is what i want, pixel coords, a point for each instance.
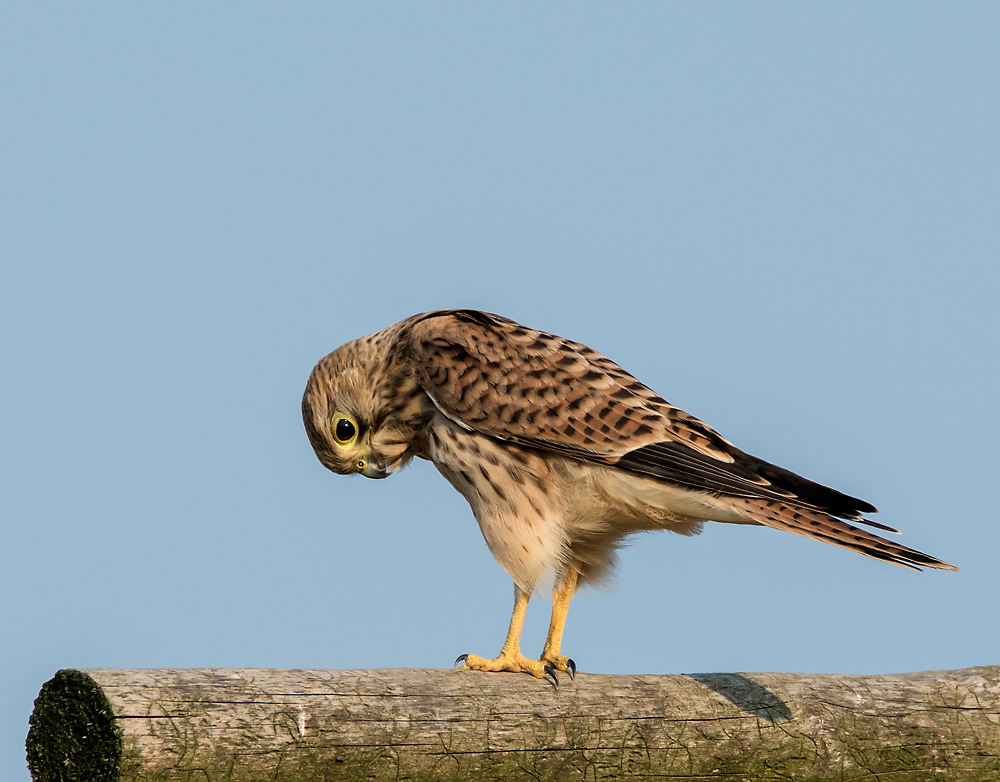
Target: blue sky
{"type": "Point", "coordinates": [781, 217]}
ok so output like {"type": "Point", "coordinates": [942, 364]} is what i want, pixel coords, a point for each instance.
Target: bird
{"type": "Point", "coordinates": [561, 454]}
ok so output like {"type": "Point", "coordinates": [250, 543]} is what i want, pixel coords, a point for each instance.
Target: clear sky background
{"type": "Point", "coordinates": [784, 218]}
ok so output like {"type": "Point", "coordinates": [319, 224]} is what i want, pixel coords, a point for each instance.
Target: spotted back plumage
{"type": "Point", "coordinates": [503, 379]}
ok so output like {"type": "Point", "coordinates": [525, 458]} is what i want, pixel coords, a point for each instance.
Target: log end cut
{"type": "Point", "coordinates": [73, 734]}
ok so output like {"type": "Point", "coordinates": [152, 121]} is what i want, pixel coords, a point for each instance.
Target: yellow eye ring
{"type": "Point", "coordinates": [345, 430]}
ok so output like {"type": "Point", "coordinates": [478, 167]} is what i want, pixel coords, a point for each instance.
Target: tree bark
{"type": "Point", "coordinates": [393, 724]}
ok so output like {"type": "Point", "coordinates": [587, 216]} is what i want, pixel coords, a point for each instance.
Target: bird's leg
{"type": "Point", "coordinates": [510, 657]}
{"type": "Point", "coordinates": [562, 593]}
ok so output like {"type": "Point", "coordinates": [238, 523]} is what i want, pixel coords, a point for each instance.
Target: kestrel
{"type": "Point", "coordinates": [560, 452]}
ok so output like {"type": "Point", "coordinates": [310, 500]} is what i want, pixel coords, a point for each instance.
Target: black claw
{"type": "Point", "coordinates": [460, 659]}
{"type": "Point", "coordinates": [548, 671]}
{"type": "Point", "coordinates": [571, 668]}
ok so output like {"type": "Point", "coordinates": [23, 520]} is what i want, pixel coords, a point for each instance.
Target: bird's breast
{"type": "Point", "coordinates": [514, 493]}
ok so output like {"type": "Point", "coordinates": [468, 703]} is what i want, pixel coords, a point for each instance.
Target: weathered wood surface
{"type": "Point", "coordinates": [395, 724]}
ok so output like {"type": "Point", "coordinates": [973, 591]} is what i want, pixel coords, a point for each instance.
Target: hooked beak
{"type": "Point", "coordinates": [373, 468]}
{"type": "Point", "coordinates": [370, 464]}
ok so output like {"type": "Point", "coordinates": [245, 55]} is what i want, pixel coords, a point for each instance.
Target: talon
{"type": "Point", "coordinates": [460, 659]}
{"type": "Point", "coordinates": [571, 668]}
{"type": "Point", "coordinates": [550, 671]}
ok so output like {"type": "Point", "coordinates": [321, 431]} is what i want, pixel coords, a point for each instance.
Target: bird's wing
{"type": "Point", "coordinates": [497, 377]}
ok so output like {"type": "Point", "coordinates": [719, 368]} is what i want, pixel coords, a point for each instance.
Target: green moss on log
{"type": "Point", "coordinates": [74, 736]}
{"type": "Point", "coordinates": [246, 725]}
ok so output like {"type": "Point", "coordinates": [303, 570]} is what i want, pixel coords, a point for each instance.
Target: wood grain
{"type": "Point", "coordinates": [417, 724]}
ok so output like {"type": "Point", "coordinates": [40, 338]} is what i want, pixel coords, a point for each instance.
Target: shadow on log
{"type": "Point", "coordinates": [211, 725]}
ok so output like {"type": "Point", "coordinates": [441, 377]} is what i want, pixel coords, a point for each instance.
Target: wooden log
{"type": "Point", "coordinates": [413, 724]}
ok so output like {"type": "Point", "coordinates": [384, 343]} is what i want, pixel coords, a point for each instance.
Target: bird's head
{"type": "Point", "coordinates": [358, 409]}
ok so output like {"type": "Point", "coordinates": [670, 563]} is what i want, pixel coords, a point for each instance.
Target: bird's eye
{"type": "Point", "coordinates": [345, 431]}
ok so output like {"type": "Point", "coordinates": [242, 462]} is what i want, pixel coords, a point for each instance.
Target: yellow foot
{"type": "Point", "coordinates": [516, 663]}
{"type": "Point", "coordinates": [560, 662]}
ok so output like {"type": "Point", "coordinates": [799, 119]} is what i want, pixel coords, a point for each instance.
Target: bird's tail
{"type": "Point", "coordinates": [819, 526]}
